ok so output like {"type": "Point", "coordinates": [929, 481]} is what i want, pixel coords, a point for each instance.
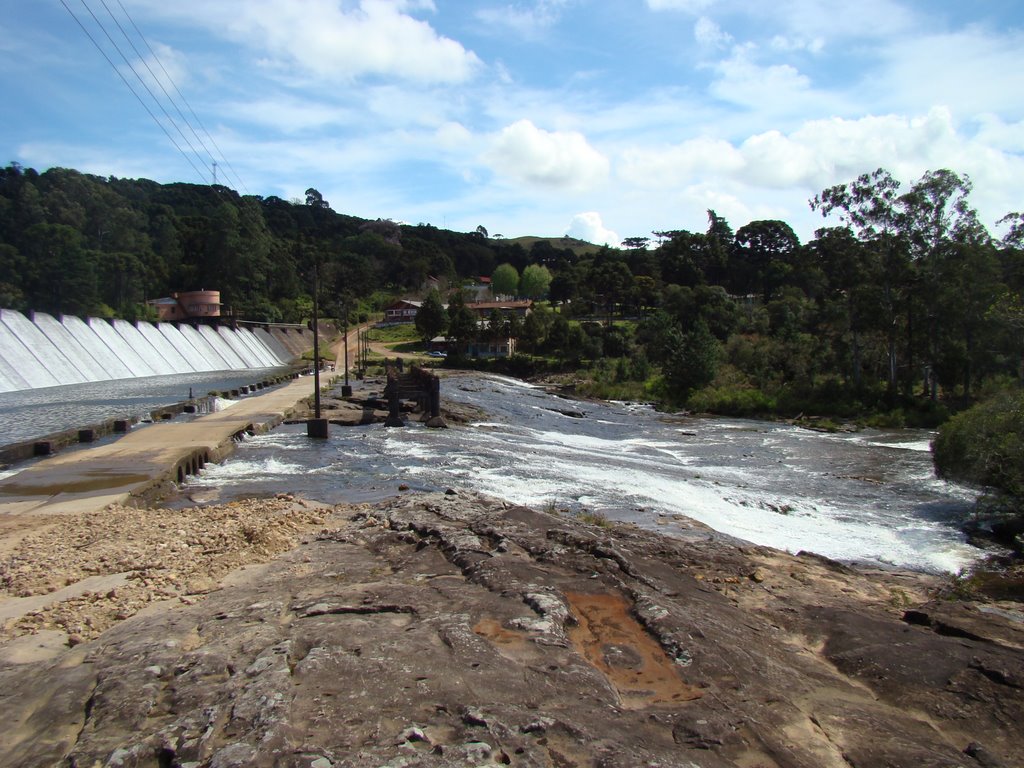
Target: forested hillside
{"type": "Point", "coordinates": [907, 296]}
{"type": "Point", "coordinates": [75, 243]}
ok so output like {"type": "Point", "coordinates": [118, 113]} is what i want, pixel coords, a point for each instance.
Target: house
{"type": "Point", "coordinates": [481, 289]}
{"type": "Point", "coordinates": [187, 305]}
{"type": "Point", "coordinates": [402, 311]}
{"type": "Point", "coordinates": [519, 307]}
{"type": "Point", "coordinates": [492, 348]}
{"type": "Point", "coordinates": [483, 348]}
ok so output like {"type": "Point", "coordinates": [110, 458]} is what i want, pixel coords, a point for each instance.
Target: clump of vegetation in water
{"type": "Point", "coordinates": [984, 447]}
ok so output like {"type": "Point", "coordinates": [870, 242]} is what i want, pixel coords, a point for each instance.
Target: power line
{"type": "Point", "coordinates": [142, 81]}
{"type": "Point", "coordinates": [181, 95]}
{"type": "Point", "coordinates": [129, 86]}
{"type": "Point", "coordinates": [157, 80]}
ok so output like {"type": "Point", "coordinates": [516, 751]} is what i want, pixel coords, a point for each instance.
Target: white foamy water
{"type": "Point", "coordinates": [869, 496]}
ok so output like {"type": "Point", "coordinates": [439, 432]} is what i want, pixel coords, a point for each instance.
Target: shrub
{"type": "Point", "coordinates": [731, 401]}
{"type": "Point", "coordinates": [984, 445]}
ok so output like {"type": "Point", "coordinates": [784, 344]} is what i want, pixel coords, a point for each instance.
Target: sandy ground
{"type": "Point", "coordinates": [80, 574]}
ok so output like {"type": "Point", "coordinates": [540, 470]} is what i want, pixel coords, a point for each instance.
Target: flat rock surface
{"type": "Point", "coordinates": [455, 630]}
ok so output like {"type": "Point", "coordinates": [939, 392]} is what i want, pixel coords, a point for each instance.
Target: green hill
{"type": "Point", "coordinates": [579, 247]}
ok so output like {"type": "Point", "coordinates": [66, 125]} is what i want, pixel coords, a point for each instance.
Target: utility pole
{"type": "Point", "coordinates": [346, 389]}
{"type": "Point", "coordinates": [214, 173]}
{"type": "Point", "coordinates": [316, 427]}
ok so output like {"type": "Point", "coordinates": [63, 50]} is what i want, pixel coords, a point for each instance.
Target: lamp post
{"type": "Point", "coordinates": [316, 427]}
{"type": "Point", "coordinates": [346, 389]}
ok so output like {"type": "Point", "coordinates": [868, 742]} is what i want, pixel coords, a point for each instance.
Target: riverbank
{"type": "Point", "coordinates": [453, 629]}
{"type": "Point", "coordinates": [999, 574]}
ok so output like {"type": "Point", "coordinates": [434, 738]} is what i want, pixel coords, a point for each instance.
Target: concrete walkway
{"type": "Point", "coordinates": [90, 479]}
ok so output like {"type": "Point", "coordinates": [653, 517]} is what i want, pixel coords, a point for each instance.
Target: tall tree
{"type": "Point", "coordinates": [535, 281]}
{"type": "Point", "coordinates": [692, 360]}
{"type": "Point", "coordinates": [869, 206]}
{"type": "Point", "coordinates": [462, 323]}
{"type": "Point", "coordinates": [431, 317]}
{"type": "Point", "coordinates": [943, 232]}
{"type": "Point", "coordinates": [505, 280]}
{"type": "Point", "coordinates": [768, 250]}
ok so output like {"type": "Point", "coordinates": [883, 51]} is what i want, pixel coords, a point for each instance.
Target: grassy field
{"type": "Point", "coordinates": [395, 334]}
{"type": "Point", "coordinates": [579, 247]}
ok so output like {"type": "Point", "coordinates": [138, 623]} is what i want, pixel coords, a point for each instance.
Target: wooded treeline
{"type": "Point", "coordinates": [907, 297]}
{"type": "Point", "coordinates": [82, 244]}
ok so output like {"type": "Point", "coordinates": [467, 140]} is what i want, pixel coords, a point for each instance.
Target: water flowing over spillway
{"type": "Point", "coordinates": [869, 496]}
{"type": "Point", "coordinates": [47, 352]}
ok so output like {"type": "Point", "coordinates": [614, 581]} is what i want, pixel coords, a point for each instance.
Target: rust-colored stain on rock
{"type": "Point", "coordinates": [613, 641]}
{"type": "Point", "coordinates": [510, 643]}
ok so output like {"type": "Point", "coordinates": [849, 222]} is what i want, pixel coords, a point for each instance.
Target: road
{"type": "Point", "coordinates": [89, 479]}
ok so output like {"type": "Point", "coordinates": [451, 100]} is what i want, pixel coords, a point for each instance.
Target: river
{"type": "Point", "coordinates": [31, 413]}
{"type": "Point", "coordinates": [869, 496]}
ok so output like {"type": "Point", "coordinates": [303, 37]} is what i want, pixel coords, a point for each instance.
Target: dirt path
{"type": "Point", "coordinates": [384, 349]}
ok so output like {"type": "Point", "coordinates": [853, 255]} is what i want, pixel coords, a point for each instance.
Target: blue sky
{"type": "Point", "coordinates": [602, 120]}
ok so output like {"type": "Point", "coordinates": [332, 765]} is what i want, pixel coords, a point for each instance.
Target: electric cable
{"type": "Point", "coordinates": [134, 93]}
{"type": "Point", "coordinates": [158, 82]}
{"type": "Point", "coordinates": [177, 90]}
{"type": "Point", "coordinates": [144, 85]}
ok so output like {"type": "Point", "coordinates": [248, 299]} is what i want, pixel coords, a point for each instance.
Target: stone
{"type": "Point", "coordinates": [459, 630]}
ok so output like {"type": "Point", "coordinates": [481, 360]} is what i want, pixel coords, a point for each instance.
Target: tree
{"type": "Point", "coordinates": [768, 249]}
{"type": "Point", "coordinates": [869, 206]}
{"type": "Point", "coordinates": [431, 318]}
{"type": "Point", "coordinates": [315, 200]}
{"type": "Point", "coordinates": [462, 323]}
{"type": "Point", "coordinates": [535, 282]}
{"type": "Point", "coordinates": [565, 286]}
{"type": "Point", "coordinates": [692, 360]}
{"type": "Point", "coordinates": [635, 243]}
{"type": "Point", "coordinates": [683, 258]}
{"type": "Point", "coordinates": [848, 268]}
{"type": "Point", "coordinates": [611, 280]}
{"type": "Point", "coordinates": [952, 272]}
{"type": "Point", "coordinates": [61, 273]}
{"type": "Point", "coordinates": [481, 232]}
{"type": "Point", "coordinates": [536, 327]}
{"type": "Point", "coordinates": [505, 280]}
{"type": "Point", "coordinates": [1014, 237]}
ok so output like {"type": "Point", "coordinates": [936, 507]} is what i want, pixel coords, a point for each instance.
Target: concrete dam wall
{"type": "Point", "coordinates": [44, 351]}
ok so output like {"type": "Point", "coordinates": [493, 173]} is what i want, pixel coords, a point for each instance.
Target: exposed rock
{"type": "Point", "coordinates": [452, 629]}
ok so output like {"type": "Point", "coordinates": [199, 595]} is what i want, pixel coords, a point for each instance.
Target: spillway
{"type": "Point", "coordinates": [42, 351]}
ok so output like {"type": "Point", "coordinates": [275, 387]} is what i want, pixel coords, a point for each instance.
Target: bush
{"type": "Point", "coordinates": [731, 401]}
{"type": "Point", "coordinates": [984, 445]}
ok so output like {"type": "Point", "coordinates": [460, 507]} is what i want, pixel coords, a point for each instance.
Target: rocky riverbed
{"type": "Point", "coordinates": [457, 630]}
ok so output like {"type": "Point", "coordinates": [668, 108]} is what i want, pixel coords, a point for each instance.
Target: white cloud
{"type": "Point", "coordinates": [528, 20]}
{"type": "Point", "coordinates": [972, 70]}
{"type": "Point", "coordinates": [287, 114]}
{"type": "Point", "coordinates": [589, 227]}
{"type": "Point", "coordinates": [690, 6]}
{"type": "Point", "coordinates": [742, 81]}
{"type": "Point", "coordinates": [812, 20]}
{"type": "Point", "coordinates": [709, 34]}
{"type": "Point", "coordinates": [997, 133]}
{"type": "Point", "coordinates": [789, 44]}
{"type": "Point", "coordinates": [670, 166]}
{"type": "Point", "coordinates": [331, 40]}
{"type": "Point", "coordinates": [771, 174]}
{"type": "Point", "coordinates": [164, 68]}
{"type": "Point", "coordinates": [559, 159]}
{"type": "Point", "coordinates": [817, 154]}
{"type": "Point", "coordinates": [453, 136]}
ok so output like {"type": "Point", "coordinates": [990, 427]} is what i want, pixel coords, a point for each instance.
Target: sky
{"type": "Point", "coordinates": [600, 120]}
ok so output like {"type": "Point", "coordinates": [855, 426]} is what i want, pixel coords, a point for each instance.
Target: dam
{"type": "Point", "coordinates": [41, 351]}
